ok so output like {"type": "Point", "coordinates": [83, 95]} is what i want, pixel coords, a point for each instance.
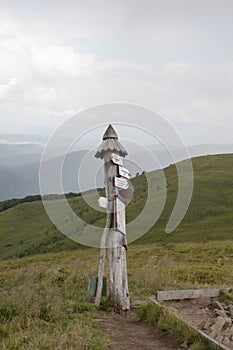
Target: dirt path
{"type": "Point", "coordinates": [129, 333]}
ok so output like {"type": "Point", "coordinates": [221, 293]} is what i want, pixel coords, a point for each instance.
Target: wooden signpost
{"type": "Point", "coordinates": [114, 234]}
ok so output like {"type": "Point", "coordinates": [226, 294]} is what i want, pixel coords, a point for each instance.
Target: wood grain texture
{"type": "Point", "coordinates": [111, 238]}
{"type": "Point", "coordinates": [187, 294]}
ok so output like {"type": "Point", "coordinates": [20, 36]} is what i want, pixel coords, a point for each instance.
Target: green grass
{"type": "Point", "coordinates": [26, 230]}
{"type": "Point", "coordinates": [43, 287]}
{"type": "Point", "coordinates": [210, 214]}
{"type": "Point", "coordinates": [44, 302]}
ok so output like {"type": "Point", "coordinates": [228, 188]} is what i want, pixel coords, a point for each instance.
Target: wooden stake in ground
{"type": "Point", "coordinates": [114, 235]}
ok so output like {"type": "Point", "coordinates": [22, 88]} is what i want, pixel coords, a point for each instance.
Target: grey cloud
{"type": "Point", "coordinates": [173, 56]}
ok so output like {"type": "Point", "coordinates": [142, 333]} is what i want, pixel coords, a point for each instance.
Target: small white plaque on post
{"type": "Point", "coordinates": [103, 202]}
{"type": "Point", "coordinates": [116, 159]}
{"type": "Point", "coordinates": [124, 172]}
{"type": "Point", "coordinates": [120, 182]}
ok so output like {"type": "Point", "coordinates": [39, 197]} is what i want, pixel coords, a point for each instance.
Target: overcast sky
{"type": "Point", "coordinates": [173, 56]}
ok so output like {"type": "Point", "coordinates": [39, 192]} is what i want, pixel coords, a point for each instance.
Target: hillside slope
{"type": "Point", "coordinates": [25, 229]}
{"type": "Point", "coordinates": [210, 214]}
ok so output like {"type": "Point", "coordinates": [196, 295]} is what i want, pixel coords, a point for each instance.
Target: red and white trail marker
{"type": "Point", "coordinates": [124, 172]}
{"type": "Point", "coordinates": [116, 159]}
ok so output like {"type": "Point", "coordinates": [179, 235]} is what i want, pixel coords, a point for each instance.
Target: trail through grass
{"type": "Point", "coordinates": [44, 303]}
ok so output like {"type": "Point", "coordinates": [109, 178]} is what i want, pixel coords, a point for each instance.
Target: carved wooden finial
{"type": "Point", "coordinates": [110, 144]}
{"type": "Point", "coordinates": [110, 133]}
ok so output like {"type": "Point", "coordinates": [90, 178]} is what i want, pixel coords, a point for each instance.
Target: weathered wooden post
{"type": "Point", "coordinates": [114, 235]}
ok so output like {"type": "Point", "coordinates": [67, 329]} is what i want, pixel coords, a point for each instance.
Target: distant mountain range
{"type": "Point", "coordinates": [20, 157]}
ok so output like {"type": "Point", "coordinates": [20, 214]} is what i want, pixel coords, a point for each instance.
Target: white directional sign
{"type": "Point", "coordinates": [121, 182]}
{"type": "Point", "coordinates": [120, 216]}
{"type": "Point", "coordinates": [103, 202]}
{"type": "Point", "coordinates": [116, 159]}
{"type": "Point", "coordinates": [124, 172]}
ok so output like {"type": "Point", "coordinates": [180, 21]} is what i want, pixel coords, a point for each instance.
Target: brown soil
{"type": "Point", "coordinates": [202, 314]}
{"type": "Point", "coordinates": [194, 311]}
{"type": "Point", "coordinates": [128, 333]}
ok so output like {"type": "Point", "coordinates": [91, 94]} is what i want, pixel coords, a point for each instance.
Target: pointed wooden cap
{"type": "Point", "coordinates": [110, 144]}
{"type": "Point", "coordinates": [110, 133]}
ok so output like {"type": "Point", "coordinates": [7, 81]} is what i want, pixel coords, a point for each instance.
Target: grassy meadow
{"type": "Point", "coordinates": [44, 275]}
{"type": "Point", "coordinates": [44, 302]}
